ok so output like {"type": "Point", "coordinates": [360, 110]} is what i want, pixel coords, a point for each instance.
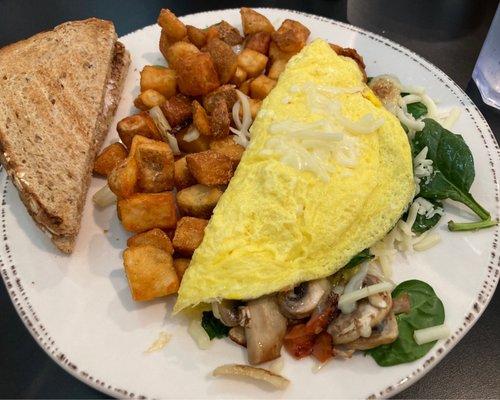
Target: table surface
{"type": "Point", "coordinates": [449, 33]}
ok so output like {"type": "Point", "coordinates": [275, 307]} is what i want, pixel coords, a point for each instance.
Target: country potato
{"type": "Point", "coordinates": [228, 33]}
{"type": "Point", "coordinates": [201, 120]}
{"type": "Point", "coordinates": [261, 86]}
{"type": "Point", "coordinates": [254, 22]}
{"type": "Point", "coordinates": [178, 52]}
{"type": "Point", "coordinates": [123, 179]}
{"type": "Point", "coordinates": [210, 168]}
{"type": "Point", "coordinates": [182, 176]}
{"type": "Point", "coordinates": [252, 62]}
{"type": "Point", "coordinates": [177, 110]}
{"type": "Point", "coordinates": [181, 265]}
{"type": "Point", "coordinates": [109, 158]}
{"type": "Point", "coordinates": [197, 36]}
{"type": "Point", "coordinates": [149, 99]}
{"type": "Point", "coordinates": [196, 75]}
{"type": "Point", "coordinates": [188, 235]}
{"type": "Point", "coordinates": [259, 41]}
{"type": "Point", "coordinates": [245, 87]}
{"type": "Point", "coordinates": [291, 36]}
{"type": "Point", "coordinates": [228, 147]}
{"type": "Point", "coordinates": [223, 58]}
{"type": "Point", "coordinates": [155, 237]}
{"type": "Point", "coordinates": [275, 53]}
{"type": "Point", "coordinates": [240, 76]}
{"type": "Point", "coordinates": [158, 78]}
{"type": "Point", "coordinates": [193, 146]}
{"type": "Point", "coordinates": [174, 28]}
{"type": "Point", "coordinates": [277, 67]}
{"type": "Point", "coordinates": [198, 200]}
{"type": "Point", "coordinates": [220, 120]}
{"type": "Point", "coordinates": [155, 164]}
{"type": "Point", "coordinates": [225, 92]}
{"type": "Point", "coordinates": [139, 124]}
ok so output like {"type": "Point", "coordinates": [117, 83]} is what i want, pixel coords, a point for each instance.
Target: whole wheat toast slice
{"type": "Point", "coordinates": [58, 94]}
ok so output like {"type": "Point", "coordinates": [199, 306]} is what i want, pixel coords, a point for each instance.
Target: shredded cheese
{"type": "Point", "coordinates": [431, 334]}
{"type": "Point", "coordinates": [347, 298]}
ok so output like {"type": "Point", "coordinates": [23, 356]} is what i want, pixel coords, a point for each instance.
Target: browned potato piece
{"type": "Point", "coordinates": [291, 36]}
{"type": "Point", "coordinates": [197, 36]}
{"type": "Point", "coordinates": [155, 237]}
{"type": "Point", "coordinates": [198, 200]}
{"type": "Point", "coordinates": [109, 158]}
{"type": "Point", "coordinates": [123, 178]}
{"type": "Point", "coordinates": [201, 120]}
{"type": "Point", "coordinates": [164, 43]}
{"type": "Point", "coordinates": [178, 52]}
{"type": "Point", "coordinates": [148, 99]}
{"type": "Point", "coordinates": [210, 168]}
{"type": "Point", "coordinates": [225, 92]}
{"type": "Point", "coordinates": [351, 53]}
{"type": "Point", "coordinates": [275, 53]}
{"type": "Point", "coordinates": [196, 74]}
{"type": "Point", "coordinates": [276, 69]}
{"type": "Point", "coordinates": [220, 120]}
{"type": "Point", "coordinates": [223, 57]}
{"type": "Point", "coordinates": [174, 28]}
{"type": "Point", "coordinates": [136, 142]}
{"type": "Point", "coordinates": [160, 79]}
{"type": "Point", "coordinates": [155, 163]}
{"type": "Point", "coordinates": [252, 62]}
{"type": "Point", "coordinates": [182, 176]}
{"type": "Point", "coordinates": [195, 146]}
{"type": "Point", "coordinates": [229, 148]}
{"type": "Point", "coordinates": [259, 41]}
{"type": "Point", "coordinates": [188, 235]}
{"type": "Point", "coordinates": [240, 75]}
{"type": "Point", "coordinates": [228, 33]}
{"type": "Point", "coordinates": [177, 110]}
{"type": "Point", "coordinates": [245, 87]}
{"type": "Point", "coordinates": [254, 22]}
{"type": "Point", "coordinates": [144, 211]}
{"type": "Point", "coordinates": [181, 265]}
{"type": "Point", "coordinates": [261, 86]}
{"type": "Point", "coordinates": [150, 272]}
{"type": "Point", "coordinates": [140, 124]}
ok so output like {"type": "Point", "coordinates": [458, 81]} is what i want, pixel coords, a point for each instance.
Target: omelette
{"type": "Point", "coordinates": [327, 173]}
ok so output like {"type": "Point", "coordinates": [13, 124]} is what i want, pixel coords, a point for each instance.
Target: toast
{"type": "Point", "coordinates": [58, 94]}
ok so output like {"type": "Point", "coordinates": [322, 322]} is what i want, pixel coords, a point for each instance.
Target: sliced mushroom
{"type": "Point", "coordinates": [228, 312]}
{"type": "Point", "coordinates": [387, 89]}
{"type": "Point", "coordinates": [386, 332]}
{"type": "Point", "coordinates": [401, 304]}
{"type": "Point", "coordinates": [237, 335]}
{"type": "Point", "coordinates": [301, 301]}
{"type": "Point", "coordinates": [265, 329]}
{"type": "Point", "coordinates": [342, 352]}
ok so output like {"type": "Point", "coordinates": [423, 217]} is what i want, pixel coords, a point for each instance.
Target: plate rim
{"type": "Point", "coordinates": [28, 316]}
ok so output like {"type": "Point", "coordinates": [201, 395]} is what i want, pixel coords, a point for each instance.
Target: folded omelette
{"type": "Point", "coordinates": [327, 173]}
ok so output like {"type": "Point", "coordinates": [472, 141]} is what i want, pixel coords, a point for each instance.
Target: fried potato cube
{"type": "Point", "coordinates": [178, 52]}
{"type": "Point", "coordinates": [150, 272]}
{"type": "Point", "coordinates": [252, 62]}
{"type": "Point", "coordinates": [198, 200]}
{"type": "Point", "coordinates": [197, 36]}
{"type": "Point", "coordinates": [259, 41]}
{"type": "Point", "coordinates": [291, 36]}
{"type": "Point", "coordinates": [182, 176]}
{"type": "Point", "coordinates": [164, 43]}
{"type": "Point", "coordinates": [277, 67]}
{"type": "Point", "coordinates": [212, 33]}
{"type": "Point", "coordinates": [136, 142]}
{"type": "Point", "coordinates": [228, 147]}
{"type": "Point", "coordinates": [180, 266]}
{"type": "Point", "coordinates": [155, 237]}
{"type": "Point", "coordinates": [201, 120]}
{"type": "Point", "coordinates": [188, 235]}
{"type": "Point", "coordinates": [228, 33]}
{"type": "Point", "coordinates": [139, 124]}
{"type": "Point", "coordinates": [177, 110]}
{"type": "Point", "coordinates": [223, 58]}
{"type": "Point", "coordinates": [275, 53]}
{"type": "Point", "coordinates": [254, 22]}
{"type": "Point", "coordinates": [220, 120]}
{"type": "Point", "coordinates": [351, 53]}
{"type": "Point", "coordinates": [109, 158]}
{"type": "Point", "coordinates": [155, 164]}
{"type": "Point", "coordinates": [210, 168]}
{"type": "Point", "coordinates": [225, 92]}
{"type": "Point", "coordinates": [161, 79]}
{"type": "Point", "coordinates": [193, 146]}
{"type": "Point", "coordinates": [174, 28]}
{"type": "Point", "coordinates": [144, 211]}
{"type": "Point", "coordinates": [261, 86]}
{"type": "Point", "coordinates": [245, 87]}
{"type": "Point", "coordinates": [240, 76]}
{"type": "Point", "coordinates": [196, 75]}
{"type": "Point", "coordinates": [148, 99]}
{"type": "Point", "coordinates": [123, 178]}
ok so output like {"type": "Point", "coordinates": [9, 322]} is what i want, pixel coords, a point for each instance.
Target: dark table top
{"type": "Point", "coordinates": [449, 33]}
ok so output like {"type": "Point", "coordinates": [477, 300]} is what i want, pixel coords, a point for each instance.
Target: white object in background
{"type": "Point", "coordinates": [487, 70]}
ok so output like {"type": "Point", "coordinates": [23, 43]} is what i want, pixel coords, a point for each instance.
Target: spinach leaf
{"type": "Point", "coordinates": [422, 223]}
{"type": "Point", "coordinates": [453, 166]}
{"type": "Point", "coordinates": [417, 109]}
{"type": "Point", "coordinates": [359, 258]}
{"type": "Point", "coordinates": [426, 310]}
{"type": "Point", "coordinates": [213, 327]}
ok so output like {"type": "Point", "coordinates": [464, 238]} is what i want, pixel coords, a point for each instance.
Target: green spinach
{"type": "Point", "coordinates": [422, 223]}
{"type": "Point", "coordinates": [426, 310]}
{"type": "Point", "coordinates": [359, 258]}
{"type": "Point", "coordinates": [417, 109]}
{"type": "Point", "coordinates": [213, 327]}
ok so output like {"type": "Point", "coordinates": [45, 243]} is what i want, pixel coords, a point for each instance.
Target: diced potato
{"type": "Point", "coordinates": [155, 237]}
{"type": "Point", "coordinates": [178, 52]}
{"type": "Point", "coordinates": [188, 235]}
{"type": "Point", "coordinates": [225, 92]}
{"type": "Point", "coordinates": [198, 200]}
{"type": "Point", "coordinates": [177, 110]}
{"type": "Point", "coordinates": [275, 53]}
{"type": "Point", "coordinates": [252, 62]}
{"type": "Point", "coordinates": [210, 168]}
{"type": "Point", "coordinates": [277, 67]}
{"type": "Point", "coordinates": [155, 164]}
{"type": "Point", "coordinates": [245, 87]}
{"type": "Point", "coordinates": [197, 36]}
{"type": "Point", "coordinates": [182, 176]}
{"type": "Point", "coordinates": [164, 44]}
{"type": "Point", "coordinates": [150, 272]}
{"type": "Point", "coordinates": [212, 33]}
{"type": "Point", "coordinates": [259, 41]}
{"type": "Point", "coordinates": [240, 76]}
{"type": "Point", "coordinates": [254, 22]}
{"type": "Point", "coordinates": [144, 211]}
{"type": "Point", "coordinates": [291, 36]}
{"type": "Point", "coordinates": [123, 179]}
{"type": "Point", "coordinates": [228, 33]}
{"type": "Point", "coordinates": [194, 146]}
{"type": "Point", "coordinates": [261, 86]}
{"type": "Point", "coordinates": [109, 158]}
{"type": "Point", "coordinates": [201, 120]}
{"type": "Point", "coordinates": [223, 58]}
{"type": "Point", "coordinates": [196, 75]}
{"type": "Point", "coordinates": [181, 265]}
{"type": "Point", "coordinates": [351, 53]}
{"type": "Point", "coordinates": [136, 142]}
{"type": "Point", "coordinates": [228, 147]}
{"type": "Point", "coordinates": [220, 120]}
{"type": "Point", "coordinates": [161, 79]}
{"type": "Point", "coordinates": [174, 28]}
{"type": "Point", "coordinates": [148, 99]}
{"type": "Point", "coordinates": [139, 124]}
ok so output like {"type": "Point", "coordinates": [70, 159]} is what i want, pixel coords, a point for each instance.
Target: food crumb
{"type": "Point", "coordinates": [160, 342]}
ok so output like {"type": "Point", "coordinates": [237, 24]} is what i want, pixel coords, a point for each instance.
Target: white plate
{"type": "Point", "coordinates": [79, 309]}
